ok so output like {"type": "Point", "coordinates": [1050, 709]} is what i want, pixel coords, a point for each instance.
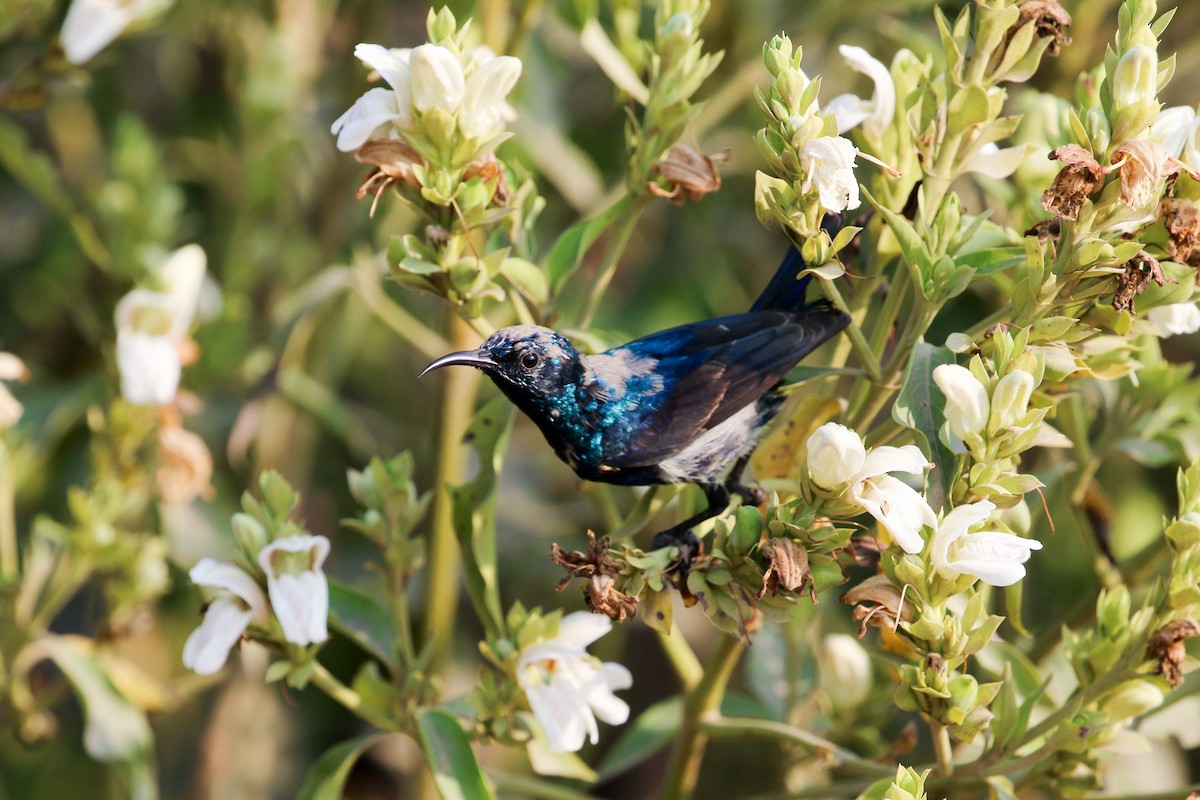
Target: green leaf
{"type": "Point", "coordinates": [327, 777]}
{"type": "Point", "coordinates": [474, 511]}
{"type": "Point", "coordinates": [993, 259]}
{"type": "Point", "coordinates": [527, 278]}
{"type": "Point", "coordinates": [448, 752]}
{"type": "Point", "coordinates": [362, 618]}
{"type": "Point", "coordinates": [912, 245]}
{"type": "Point", "coordinates": [576, 240]}
{"type": "Point", "coordinates": [920, 407]}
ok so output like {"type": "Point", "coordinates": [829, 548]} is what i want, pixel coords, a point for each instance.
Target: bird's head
{"type": "Point", "coordinates": [527, 361]}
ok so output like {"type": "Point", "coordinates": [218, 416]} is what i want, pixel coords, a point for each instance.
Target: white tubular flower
{"type": "Point", "coordinates": [1175, 319]}
{"type": "Point", "coordinates": [484, 108]}
{"type": "Point", "coordinates": [567, 689]}
{"type": "Point", "coordinates": [991, 556]}
{"type": "Point", "coordinates": [182, 278]}
{"type": "Point", "coordinates": [845, 670]}
{"type": "Point", "coordinates": [966, 399]}
{"type": "Point", "coordinates": [850, 110]}
{"type": "Point", "coordinates": [828, 163]}
{"type": "Point", "coordinates": [149, 330]}
{"type": "Point", "coordinates": [437, 79]}
{"type": "Point", "coordinates": [835, 455]}
{"type": "Point", "coordinates": [379, 108]}
{"type": "Point", "coordinates": [841, 459]}
{"type": "Point", "coordinates": [1135, 78]}
{"type": "Point", "coordinates": [11, 369]}
{"type": "Point", "coordinates": [1010, 400]}
{"type": "Point", "coordinates": [1174, 129]}
{"type": "Point", "coordinates": [91, 25]}
{"type": "Point", "coordinates": [238, 603]}
{"type": "Point", "coordinates": [297, 586]}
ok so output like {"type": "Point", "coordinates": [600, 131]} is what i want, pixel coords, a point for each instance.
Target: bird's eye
{"type": "Point", "coordinates": [529, 360]}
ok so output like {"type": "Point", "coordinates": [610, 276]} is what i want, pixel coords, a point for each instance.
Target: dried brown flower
{"type": "Point", "coordinates": [185, 466]}
{"type": "Point", "coordinates": [689, 174]}
{"type": "Point", "coordinates": [1139, 271]}
{"type": "Point", "coordinates": [1142, 165]}
{"type": "Point", "coordinates": [489, 168]}
{"type": "Point", "coordinates": [600, 570]}
{"type": "Point", "coordinates": [393, 161]}
{"type": "Point", "coordinates": [865, 551]}
{"type": "Point", "coordinates": [879, 602]}
{"type": "Point", "coordinates": [1051, 20]}
{"type": "Point", "coordinates": [787, 569]}
{"type": "Point", "coordinates": [1166, 647]}
{"type": "Point", "coordinates": [1079, 178]}
{"type": "Point", "coordinates": [1182, 222]}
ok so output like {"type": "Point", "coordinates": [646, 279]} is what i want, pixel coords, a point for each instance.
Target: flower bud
{"type": "Point", "coordinates": [908, 785]}
{"type": "Point", "coordinates": [777, 55]}
{"type": "Point", "coordinates": [1135, 78]}
{"type": "Point", "coordinates": [966, 399]}
{"type": "Point", "coordinates": [835, 455]}
{"type": "Point", "coordinates": [1010, 400]}
{"type": "Point", "coordinates": [845, 670]}
{"type": "Point", "coordinates": [1132, 700]}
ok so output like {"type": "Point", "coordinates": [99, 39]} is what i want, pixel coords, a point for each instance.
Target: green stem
{"type": "Point", "coordinates": [617, 241]}
{"type": "Point", "coordinates": [526, 786]}
{"type": "Point", "coordinates": [857, 341]}
{"type": "Point", "coordinates": [682, 658]}
{"type": "Point", "coordinates": [323, 679]}
{"type": "Point", "coordinates": [684, 766]}
{"type": "Point", "coordinates": [943, 749]}
{"type": "Point", "coordinates": [833, 755]}
{"type": "Point", "coordinates": [9, 564]}
{"type": "Point", "coordinates": [457, 404]}
{"type": "Point", "coordinates": [369, 290]}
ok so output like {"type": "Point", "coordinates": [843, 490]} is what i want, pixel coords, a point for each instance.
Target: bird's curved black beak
{"type": "Point", "coordinates": [466, 358]}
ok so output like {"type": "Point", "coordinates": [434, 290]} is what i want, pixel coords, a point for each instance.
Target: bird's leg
{"type": "Point", "coordinates": [681, 535]}
{"type": "Point", "coordinates": [751, 495]}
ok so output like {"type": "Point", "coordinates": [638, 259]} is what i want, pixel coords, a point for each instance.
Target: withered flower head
{"type": "Point", "coordinates": [879, 602]}
{"type": "Point", "coordinates": [1182, 222]}
{"type": "Point", "coordinates": [1051, 20]}
{"type": "Point", "coordinates": [600, 570]}
{"type": "Point", "coordinates": [787, 569]}
{"type": "Point", "coordinates": [1166, 647]}
{"type": "Point", "coordinates": [393, 162]}
{"type": "Point", "coordinates": [689, 174]}
{"type": "Point", "coordinates": [1079, 178]}
{"type": "Point", "coordinates": [185, 466]}
{"type": "Point", "coordinates": [1139, 271]}
{"type": "Point", "coordinates": [1142, 165]}
{"type": "Point", "coordinates": [489, 168]}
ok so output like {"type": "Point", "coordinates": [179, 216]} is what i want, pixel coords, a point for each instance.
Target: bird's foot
{"type": "Point", "coordinates": [751, 495]}
{"type": "Point", "coordinates": [689, 547]}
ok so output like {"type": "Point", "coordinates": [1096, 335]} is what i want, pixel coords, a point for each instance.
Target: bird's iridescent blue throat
{"type": "Point", "coordinates": [684, 405]}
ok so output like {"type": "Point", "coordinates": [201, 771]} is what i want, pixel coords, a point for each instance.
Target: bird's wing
{"type": "Point", "coordinates": [709, 371]}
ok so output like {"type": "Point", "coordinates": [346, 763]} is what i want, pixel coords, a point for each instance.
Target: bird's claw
{"type": "Point", "coordinates": [689, 547]}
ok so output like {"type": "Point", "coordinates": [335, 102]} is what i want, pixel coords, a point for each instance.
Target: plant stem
{"type": "Point", "coordinates": [617, 241]}
{"type": "Point", "coordinates": [369, 290]}
{"type": "Point", "coordinates": [941, 746]}
{"type": "Point", "coordinates": [458, 402]}
{"type": "Point", "coordinates": [857, 341]}
{"type": "Point", "coordinates": [684, 767]}
{"type": "Point", "coordinates": [836, 756]}
{"type": "Point", "coordinates": [323, 679]}
{"type": "Point", "coordinates": [8, 521]}
{"type": "Point", "coordinates": [682, 657]}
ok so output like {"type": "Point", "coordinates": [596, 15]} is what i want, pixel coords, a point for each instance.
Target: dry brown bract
{"type": "Point", "coordinates": [879, 602]}
{"type": "Point", "coordinates": [1166, 647]}
{"type": "Point", "coordinates": [1078, 179]}
{"type": "Point", "coordinates": [1142, 166]}
{"type": "Point", "coordinates": [489, 168]}
{"type": "Point", "coordinates": [1051, 20]}
{"type": "Point", "coordinates": [600, 570]}
{"type": "Point", "coordinates": [393, 163]}
{"type": "Point", "coordinates": [1183, 230]}
{"type": "Point", "coordinates": [787, 569]}
{"type": "Point", "coordinates": [1139, 271]}
{"type": "Point", "coordinates": [185, 466]}
{"type": "Point", "coordinates": [689, 174]}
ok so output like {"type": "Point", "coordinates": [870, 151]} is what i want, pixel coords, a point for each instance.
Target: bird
{"type": "Point", "coordinates": [683, 405]}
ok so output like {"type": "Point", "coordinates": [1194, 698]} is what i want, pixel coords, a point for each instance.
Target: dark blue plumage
{"type": "Point", "coordinates": [684, 405]}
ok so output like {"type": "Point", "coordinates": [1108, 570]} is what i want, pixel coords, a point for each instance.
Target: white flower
{"type": "Point", "coordinates": [897, 506]}
{"type": "Point", "coordinates": [150, 367]}
{"type": "Point", "coordinates": [1175, 129]}
{"type": "Point", "coordinates": [437, 79]}
{"type": "Point", "coordinates": [297, 586]}
{"type": "Point", "coordinates": [1135, 78]}
{"type": "Point", "coordinates": [995, 558]}
{"type": "Point", "coordinates": [845, 670]}
{"type": "Point", "coordinates": [1010, 400]}
{"type": "Point", "coordinates": [181, 277]}
{"type": "Point", "coordinates": [994, 162]}
{"type": "Point", "coordinates": [875, 114]}
{"type": "Point", "coordinates": [240, 601]}
{"type": "Point", "coordinates": [1175, 319]}
{"type": "Point", "coordinates": [568, 689]}
{"type": "Point", "coordinates": [966, 399]}
{"type": "Point", "coordinates": [379, 107]}
{"type": "Point", "coordinates": [91, 24]}
{"type": "Point", "coordinates": [11, 369]}
{"type": "Point", "coordinates": [828, 163]}
{"type": "Point", "coordinates": [484, 108]}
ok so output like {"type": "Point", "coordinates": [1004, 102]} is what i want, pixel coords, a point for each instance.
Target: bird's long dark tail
{"type": "Point", "coordinates": [785, 292]}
